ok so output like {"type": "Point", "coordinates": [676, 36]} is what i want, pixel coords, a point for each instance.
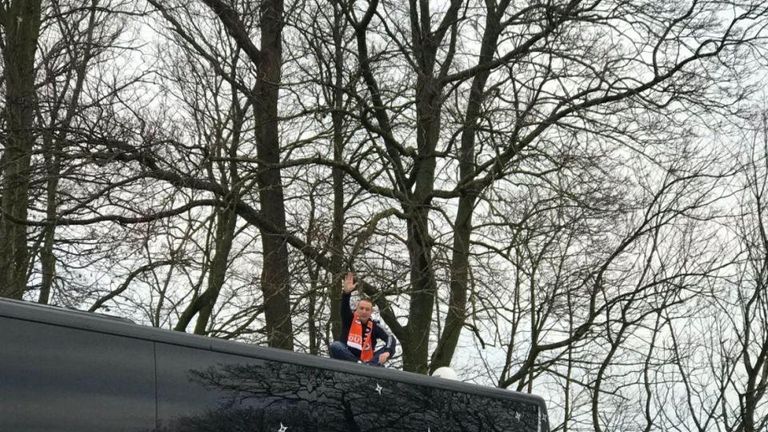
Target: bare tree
{"type": "Point", "coordinates": [267, 62]}
{"type": "Point", "coordinates": [519, 79]}
{"type": "Point", "coordinates": [84, 36]}
{"type": "Point", "coordinates": [740, 354]}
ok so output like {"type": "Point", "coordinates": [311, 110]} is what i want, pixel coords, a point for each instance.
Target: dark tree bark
{"type": "Point", "coordinates": [275, 278]}
{"type": "Point", "coordinates": [21, 22]}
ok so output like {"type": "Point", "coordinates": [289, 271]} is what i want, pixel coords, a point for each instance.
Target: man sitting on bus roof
{"type": "Point", "coordinates": [359, 333]}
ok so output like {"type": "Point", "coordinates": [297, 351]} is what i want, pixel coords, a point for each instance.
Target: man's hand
{"type": "Point", "coordinates": [383, 357]}
{"type": "Point", "coordinates": [349, 284]}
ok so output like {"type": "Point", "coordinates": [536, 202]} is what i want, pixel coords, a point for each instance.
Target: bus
{"type": "Point", "coordinates": [70, 371]}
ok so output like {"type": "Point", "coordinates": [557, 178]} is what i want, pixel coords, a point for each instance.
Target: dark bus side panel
{"type": "Point", "coordinates": [58, 378]}
{"type": "Point", "coordinates": [55, 378]}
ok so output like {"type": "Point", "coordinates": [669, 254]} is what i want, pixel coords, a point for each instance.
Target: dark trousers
{"type": "Point", "coordinates": [340, 351]}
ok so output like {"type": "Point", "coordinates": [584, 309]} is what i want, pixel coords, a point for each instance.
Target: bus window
{"type": "Point", "coordinates": [54, 378]}
{"type": "Point", "coordinates": [357, 403]}
{"type": "Point", "coordinates": [352, 402]}
{"type": "Point", "coordinates": [202, 391]}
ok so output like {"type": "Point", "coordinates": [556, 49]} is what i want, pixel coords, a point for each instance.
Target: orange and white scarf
{"type": "Point", "coordinates": [355, 338]}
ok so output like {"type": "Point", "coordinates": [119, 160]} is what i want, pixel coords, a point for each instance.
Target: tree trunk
{"type": "Point", "coordinates": [459, 285]}
{"type": "Point", "coordinates": [202, 305]}
{"type": "Point", "coordinates": [423, 285]}
{"type": "Point", "coordinates": [22, 28]}
{"type": "Point", "coordinates": [416, 345]}
{"type": "Point", "coordinates": [225, 233]}
{"type": "Point", "coordinates": [275, 282]}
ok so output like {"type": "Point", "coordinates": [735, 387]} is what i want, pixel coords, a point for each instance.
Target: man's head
{"type": "Point", "coordinates": [364, 309]}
